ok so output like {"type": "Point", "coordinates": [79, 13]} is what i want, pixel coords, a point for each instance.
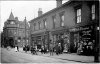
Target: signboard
{"type": "Point", "coordinates": [87, 35]}
{"type": "Point", "coordinates": [79, 29]}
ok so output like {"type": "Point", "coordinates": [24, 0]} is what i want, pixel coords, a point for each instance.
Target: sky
{"type": "Point", "coordinates": [22, 9]}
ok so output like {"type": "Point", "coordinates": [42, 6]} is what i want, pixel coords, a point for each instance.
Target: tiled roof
{"type": "Point", "coordinates": [11, 17]}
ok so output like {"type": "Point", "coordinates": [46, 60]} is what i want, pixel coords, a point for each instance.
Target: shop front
{"type": "Point", "coordinates": [36, 42]}
{"type": "Point", "coordinates": [40, 40]}
{"type": "Point", "coordinates": [61, 37]}
{"type": "Point", "coordinates": [82, 40]}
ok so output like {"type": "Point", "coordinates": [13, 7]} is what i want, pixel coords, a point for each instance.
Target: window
{"type": "Point", "coordinates": [45, 23]}
{"type": "Point", "coordinates": [78, 15]}
{"type": "Point", "coordinates": [34, 26]}
{"type": "Point", "coordinates": [93, 12]}
{"type": "Point", "coordinates": [12, 22]}
{"type": "Point", "coordinates": [62, 20]}
{"type": "Point", "coordinates": [54, 21]}
{"type": "Point", "coordinates": [39, 25]}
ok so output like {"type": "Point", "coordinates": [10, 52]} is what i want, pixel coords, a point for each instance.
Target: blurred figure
{"type": "Point", "coordinates": [51, 49]}
{"type": "Point", "coordinates": [80, 47]}
{"type": "Point", "coordinates": [57, 48]}
{"type": "Point", "coordinates": [16, 49]}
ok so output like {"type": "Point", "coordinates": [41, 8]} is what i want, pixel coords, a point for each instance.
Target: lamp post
{"type": "Point", "coordinates": [97, 44]}
{"type": "Point", "coordinates": [47, 33]}
{"type": "Point", "coordinates": [25, 32]}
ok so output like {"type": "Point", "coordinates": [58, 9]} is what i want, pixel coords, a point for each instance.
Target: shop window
{"type": "Point", "coordinates": [93, 11]}
{"type": "Point", "coordinates": [78, 15]}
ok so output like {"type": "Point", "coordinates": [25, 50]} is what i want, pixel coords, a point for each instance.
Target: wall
{"type": "Point", "coordinates": [69, 18]}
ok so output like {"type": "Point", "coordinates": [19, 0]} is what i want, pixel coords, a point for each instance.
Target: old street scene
{"type": "Point", "coordinates": [59, 31]}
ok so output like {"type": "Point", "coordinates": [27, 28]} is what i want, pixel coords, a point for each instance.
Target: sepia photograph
{"type": "Point", "coordinates": [49, 31]}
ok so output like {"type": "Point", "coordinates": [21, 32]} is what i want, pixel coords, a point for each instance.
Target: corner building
{"type": "Point", "coordinates": [68, 24]}
{"type": "Point", "coordinates": [15, 32]}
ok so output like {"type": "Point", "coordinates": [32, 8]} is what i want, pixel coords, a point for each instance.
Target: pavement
{"type": "Point", "coordinates": [66, 56]}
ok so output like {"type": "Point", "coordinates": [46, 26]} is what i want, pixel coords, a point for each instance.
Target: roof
{"type": "Point", "coordinates": [51, 10]}
{"type": "Point", "coordinates": [11, 17]}
{"type": "Point", "coordinates": [22, 24]}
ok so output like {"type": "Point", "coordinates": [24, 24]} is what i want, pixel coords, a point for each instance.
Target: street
{"type": "Point", "coordinates": [9, 56]}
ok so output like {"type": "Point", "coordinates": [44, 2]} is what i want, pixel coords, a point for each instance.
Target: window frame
{"type": "Point", "coordinates": [45, 23]}
{"type": "Point", "coordinates": [79, 15]}
{"type": "Point", "coordinates": [78, 6]}
{"type": "Point", "coordinates": [93, 12]}
{"type": "Point", "coordinates": [34, 26]}
{"type": "Point", "coordinates": [39, 25]}
{"type": "Point", "coordinates": [54, 21]}
{"type": "Point", "coordinates": [62, 20]}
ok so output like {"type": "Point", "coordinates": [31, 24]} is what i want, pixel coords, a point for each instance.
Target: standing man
{"type": "Point", "coordinates": [51, 48]}
{"type": "Point", "coordinates": [17, 48]}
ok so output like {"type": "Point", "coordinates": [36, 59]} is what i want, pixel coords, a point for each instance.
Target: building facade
{"type": "Point", "coordinates": [15, 32]}
{"type": "Point", "coordinates": [70, 24]}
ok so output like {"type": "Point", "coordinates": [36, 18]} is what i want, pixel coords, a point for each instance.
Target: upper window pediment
{"type": "Point", "coordinates": [12, 22]}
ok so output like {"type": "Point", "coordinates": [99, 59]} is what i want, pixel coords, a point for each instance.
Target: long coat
{"type": "Point", "coordinates": [51, 47]}
{"type": "Point", "coordinates": [57, 48]}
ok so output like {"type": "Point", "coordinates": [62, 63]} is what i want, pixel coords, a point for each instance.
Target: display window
{"type": "Point", "coordinates": [84, 40]}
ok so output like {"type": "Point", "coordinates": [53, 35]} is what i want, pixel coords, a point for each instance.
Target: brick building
{"type": "Point", "coordinates": [68, 24]}
{"type": "Point", "coordinates": [15, 32]}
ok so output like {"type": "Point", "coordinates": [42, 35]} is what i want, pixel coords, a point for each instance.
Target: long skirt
{"type": "Point", "coordinates": [16, 49]}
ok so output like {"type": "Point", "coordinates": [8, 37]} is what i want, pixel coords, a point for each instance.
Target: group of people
{"type": "Point", "coordinates": [26, 48]}
{"type": "Point", "coordinates": [85, 48]}
{"type": "Point", "coordinates": [56, 49]}
{"type": "Point", "coordinates": [33, 50]}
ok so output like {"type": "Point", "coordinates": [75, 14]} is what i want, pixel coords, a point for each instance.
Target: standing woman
{"type": "Point", "coordinates": [15, 48]}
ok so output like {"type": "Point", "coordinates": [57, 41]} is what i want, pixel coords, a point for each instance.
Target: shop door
{"type": "Point", "coordinates": [11, 42]}
{"type": "Point", "coordinates": [76, 41]}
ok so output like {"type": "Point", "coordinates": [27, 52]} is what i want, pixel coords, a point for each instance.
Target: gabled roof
{"type": "Point", "coordinates": [11, 17]}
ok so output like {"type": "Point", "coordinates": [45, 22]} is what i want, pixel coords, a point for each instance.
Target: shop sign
{"type": "Point", "coordinates": [79, 29]}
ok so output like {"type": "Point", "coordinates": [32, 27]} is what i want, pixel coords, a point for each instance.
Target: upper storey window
{"type": "Point", "coordinates": [93, 11]}
{"type": "Point", "coordinates": [39, 25]}
{"type": "Point", "coordinates": [78, 15]}
{"type": "Point", "coordinates": [62, 17]}
{"type": "Point", "coordinates": [45, 23]}
{"type": "Point", "coordinates": [34, 26]}
{"type": "Point", "coordinates": [12, 22]}
{"type": "Point", "coordinates": [54, 21]}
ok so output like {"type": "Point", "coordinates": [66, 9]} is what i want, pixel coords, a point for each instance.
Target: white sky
{"type": "Point", "coordinates": [23, 8]}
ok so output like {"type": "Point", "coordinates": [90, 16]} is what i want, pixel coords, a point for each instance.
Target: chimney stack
{"type": "Point", "coordinates": [39, 12]}
{"type": "Point", "coordinates": [59, 3]}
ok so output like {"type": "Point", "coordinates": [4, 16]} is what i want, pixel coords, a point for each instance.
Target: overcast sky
{"type": "Point", "coordinates": [21, 9]}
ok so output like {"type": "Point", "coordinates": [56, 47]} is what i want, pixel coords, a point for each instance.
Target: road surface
{"type": "Point", "coordinates": [8, 56]}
